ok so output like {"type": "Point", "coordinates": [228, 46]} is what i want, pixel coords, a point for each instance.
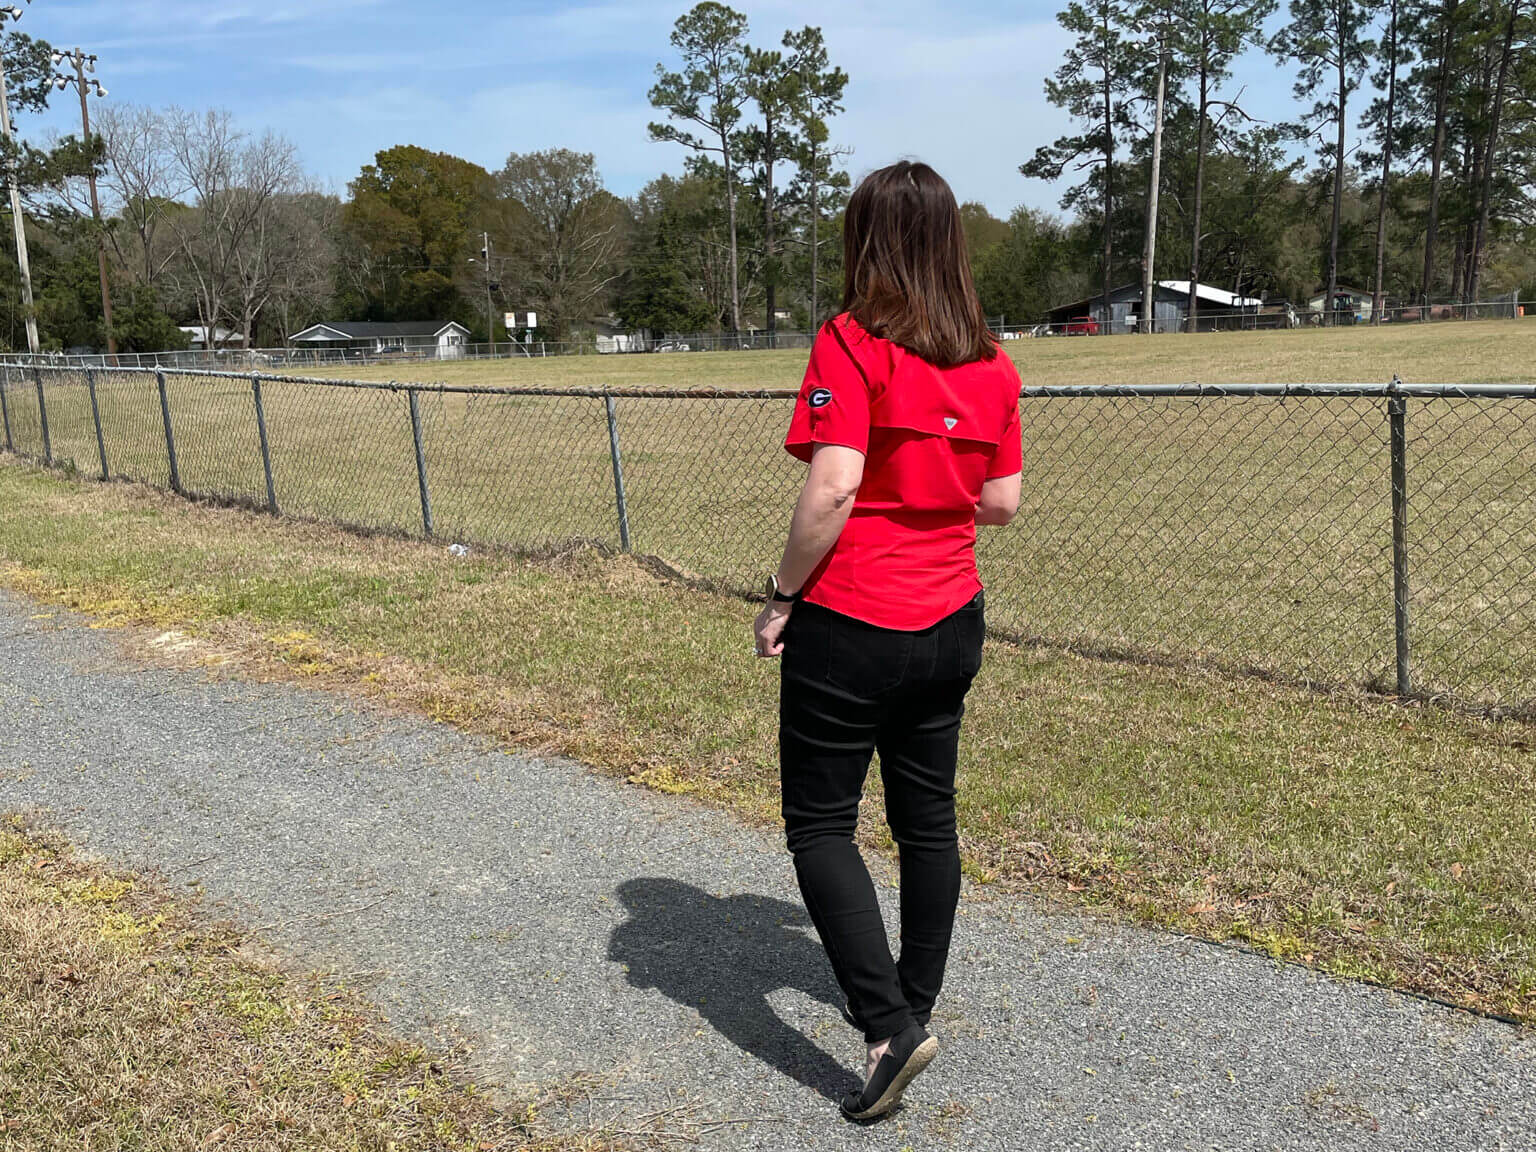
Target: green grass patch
{"type": "Point", "coordinates": [1364, 838]}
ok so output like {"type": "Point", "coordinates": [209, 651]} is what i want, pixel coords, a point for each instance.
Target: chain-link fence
{"type": "Point", "coordinates": [1381, 535]}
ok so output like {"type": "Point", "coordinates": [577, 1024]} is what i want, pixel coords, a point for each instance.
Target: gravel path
{"type": "Point", "coordinates": [570, 924]}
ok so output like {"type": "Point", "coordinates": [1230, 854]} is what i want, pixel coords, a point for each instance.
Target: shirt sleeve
{"type": "Point", "coordinates": [833, 405]}
{"type": "Point", "coordinates": [1009, 457]}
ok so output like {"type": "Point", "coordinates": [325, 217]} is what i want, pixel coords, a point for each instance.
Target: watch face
{"type": "Point", "coordinates": [771, 586]}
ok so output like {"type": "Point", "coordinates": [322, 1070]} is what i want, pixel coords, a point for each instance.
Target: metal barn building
{"type": "Point", "coordinates": [1121, 310]}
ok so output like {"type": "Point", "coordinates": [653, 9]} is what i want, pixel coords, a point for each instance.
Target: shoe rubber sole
{"type": "Point", "coordinates": [921, 1057]}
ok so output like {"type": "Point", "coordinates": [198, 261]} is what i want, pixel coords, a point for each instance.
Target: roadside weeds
{"type": "Point", "coordinates": [132, 1021]}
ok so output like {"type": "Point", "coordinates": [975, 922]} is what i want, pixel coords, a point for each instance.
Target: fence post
{"type": "Point", "coordinates": [618, 473]}
{"type": "Point", "coordinates": [1397, 413]}
{"type": "Point", "coordinates": [170, 437]}
{"type": "Point", "coordinates": [421, 464]}
{"type": "Point", "coordinates": [42, 415]}
{"type": "Point", "coordinates": [266, 451]}
{"type": "Point", "coordinates": [5, 410]}
{"type": "Point", "coordinates": [101, 441]}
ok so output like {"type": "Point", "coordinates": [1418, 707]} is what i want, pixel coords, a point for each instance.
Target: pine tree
{"type": "Point", "coordinates": [1096, 84]}
{"type": "Point", "coordinates": [709, 92]}
{"type": "Point", "coordinates": [1211, 34]}
{"type": "Point", "coordinates": [821, 87]}
{"type": "Point", "coordinates": [1325, 40]}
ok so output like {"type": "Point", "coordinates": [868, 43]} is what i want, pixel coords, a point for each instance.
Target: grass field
{"type": "Point", "coordinates": [132, 1024]}
{"type": "Point", "coordinates": [1489, 351]}
{"type": "Point", "coordinates": [1249, 533]}
{"type": "Point", "coordinates": [1368, 839]}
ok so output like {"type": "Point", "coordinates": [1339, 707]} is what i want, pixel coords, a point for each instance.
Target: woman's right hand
{"type": "Point", "coordinates": [768, 629]}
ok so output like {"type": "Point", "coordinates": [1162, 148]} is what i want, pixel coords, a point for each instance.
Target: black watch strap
{"type": "Point", "coordinates": [778, 596]}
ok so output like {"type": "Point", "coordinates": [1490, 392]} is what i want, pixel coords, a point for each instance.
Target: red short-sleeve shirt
{"type": "Point", "coordinates": [931, 437]}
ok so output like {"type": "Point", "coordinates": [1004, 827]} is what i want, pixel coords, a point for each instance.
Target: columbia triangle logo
{"type": "Point", "coordinates": [950, 422]}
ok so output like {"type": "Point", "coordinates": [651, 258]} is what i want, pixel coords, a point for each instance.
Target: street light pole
{"type": "Point", "coordinates": [84, 64]}
{"type": "Point", "coordinates": [14, 13]}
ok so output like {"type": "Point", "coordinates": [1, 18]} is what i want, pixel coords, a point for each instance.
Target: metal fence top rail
{"type": "Point", "coordinates": [1192, 390]}
{"type": "Point", "coordinates": [427, 386]}
{"type": "Point", "coordinates": [1187, 390]}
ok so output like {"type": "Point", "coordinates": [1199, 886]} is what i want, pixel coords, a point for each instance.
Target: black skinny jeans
{"type": "Point", "coordinates": [847, 690]}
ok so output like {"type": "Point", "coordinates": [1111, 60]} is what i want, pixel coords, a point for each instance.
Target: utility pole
{"type": "Point", "coordinates": [491, 285]}
{"type": "Point", "coordinates": [490, 311]}
{"type": "Point", "coordinates": [1149, 256]}
{"type": "Point", "coordinates": [14, 13]}
{"type": "Point", "coordinates": [84, 64]}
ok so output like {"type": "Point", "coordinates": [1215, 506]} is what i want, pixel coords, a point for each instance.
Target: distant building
{"type": "Point", "coordinates": [443, 338]}
{"type": "Point", "coordinates": [1121, 310]}
{"type": "Point", "coordinates": [1217, 306]}
{"type": "Point", "coordinates": [197, 337]}
{"type": "Point", "coordinates": [1350, 305]}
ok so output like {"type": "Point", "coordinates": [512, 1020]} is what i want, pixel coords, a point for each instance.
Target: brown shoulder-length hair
{"type": "Point", "coordinates": [906, 273]}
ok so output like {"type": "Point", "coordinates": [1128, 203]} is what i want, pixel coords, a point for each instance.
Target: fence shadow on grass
{"type": "Point", "coordinates": [722, 956]}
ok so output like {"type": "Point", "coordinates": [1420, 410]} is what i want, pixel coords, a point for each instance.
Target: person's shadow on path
{"type": "Point", "coordinates": [722, 956]}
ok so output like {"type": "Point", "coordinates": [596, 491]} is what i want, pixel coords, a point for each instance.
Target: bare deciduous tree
{"type": "Point", "coordinates": [141, 191]}
{"type": "Point", "coordinates": [567, 237]}
{"type": "Point", "coordinates": [303, 281]}
{"type": "Point", "coordinates": [228, 240]}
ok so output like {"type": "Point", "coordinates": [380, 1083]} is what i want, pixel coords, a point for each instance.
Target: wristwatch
{"type": "Point", "coordinates": [777, 595]}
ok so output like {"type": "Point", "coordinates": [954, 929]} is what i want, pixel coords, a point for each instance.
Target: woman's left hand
{"type": "Point", "coordinates": [768, 639]}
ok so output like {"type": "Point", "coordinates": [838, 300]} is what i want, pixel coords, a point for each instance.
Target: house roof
{"type": "Point", "coordinates": [1166, 289]}
{"type": "Point", "coordinates": [375, 330]}
{"type": "Point", "coordinates": [1212, 295]}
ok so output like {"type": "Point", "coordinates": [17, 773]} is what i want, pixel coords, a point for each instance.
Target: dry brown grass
{"type": "Point", "coordinates": [129, 1022]}
{"type": "Point", "coordinates": [1457, 352]}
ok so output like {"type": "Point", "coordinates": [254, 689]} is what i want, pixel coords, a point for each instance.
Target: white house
{"type": "Point", "coordinates": [421, 337]}
{"type": "Point", "coordinates": [197, 337]}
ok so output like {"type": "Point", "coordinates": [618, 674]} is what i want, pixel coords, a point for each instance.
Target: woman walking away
{"type": "Point", "coordinates": [909, 418]}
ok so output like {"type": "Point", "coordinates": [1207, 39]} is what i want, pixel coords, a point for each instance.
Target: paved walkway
{"type": "Point", "coordinates": [569, 924]}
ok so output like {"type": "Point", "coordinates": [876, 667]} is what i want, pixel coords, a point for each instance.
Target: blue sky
{"type": "Point", "coordinates": [957, 83]}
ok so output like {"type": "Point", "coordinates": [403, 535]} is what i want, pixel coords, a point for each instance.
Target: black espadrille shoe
{"type": "Point", "coordinates": [911, 1050]}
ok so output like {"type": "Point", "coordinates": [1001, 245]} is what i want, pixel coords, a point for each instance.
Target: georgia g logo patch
{"type": "Point", "coordinates": [819, 397]}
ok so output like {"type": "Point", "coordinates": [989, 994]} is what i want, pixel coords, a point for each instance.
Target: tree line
{"type": "Point", "coordinates": [1406, 170]}
{"type": "Point", "coordinates": [1417, 114]}
{"type": "Point", "coordinates": [216, 228]}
